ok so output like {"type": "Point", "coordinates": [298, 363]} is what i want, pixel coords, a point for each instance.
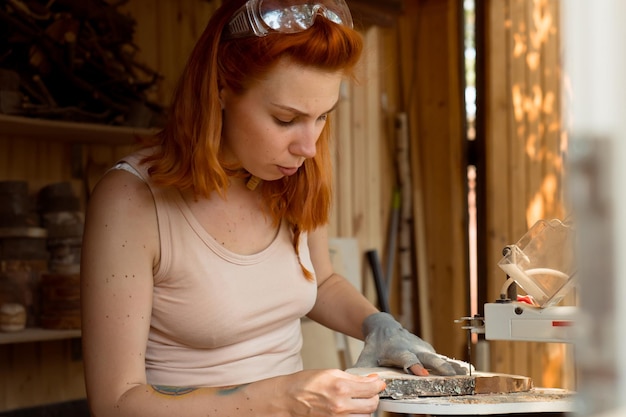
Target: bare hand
{"type": "Point", "coordinates": [331, 392]}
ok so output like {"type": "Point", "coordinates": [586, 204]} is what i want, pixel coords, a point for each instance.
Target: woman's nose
{"type": "Point", "coordinates": [304, 143]}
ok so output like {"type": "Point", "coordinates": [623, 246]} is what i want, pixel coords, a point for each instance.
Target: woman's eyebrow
{"type": "Point", "coordinates": [300, 112]}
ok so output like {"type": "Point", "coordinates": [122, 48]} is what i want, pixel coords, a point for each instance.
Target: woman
{"type": "Point", "coordinates": [203, 250]}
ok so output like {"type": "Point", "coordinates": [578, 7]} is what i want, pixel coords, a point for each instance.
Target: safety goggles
{"type": "Point", "coordinates": [261, 17]}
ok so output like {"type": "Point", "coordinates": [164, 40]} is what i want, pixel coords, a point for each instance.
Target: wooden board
{"type": "Point", "coordinates": [494, 383]}
{"type": "Point", "coordinates": [403, 386]}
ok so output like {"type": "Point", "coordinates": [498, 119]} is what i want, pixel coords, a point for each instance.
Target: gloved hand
{"type": "Point", "coordinates": [387, 343]}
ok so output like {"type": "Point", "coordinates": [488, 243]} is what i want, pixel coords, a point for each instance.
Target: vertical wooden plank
{"type": "Point", "coordinates": [373, 128]}
{"type": "Point", "coordinates": [535, 149]}
{"type": "Point", "coordinates": [518, 162]}
{"type": "Point", "coordinates": [535, 146]}
{"type": "Point", "coordinates": [343, 164]}
{"type": "Point", "coordinates": [375, 212]}
{"type": "Point", "coordinates": [551, 80]}
{"type": "Point", "coordinates": [391, 90]}
{"type": "Point", "coordinates": [517, 49]}
{"type": "Point", "coordinates": [552, 105]}
{"type": "Point", "coordinates": [438, 136]}
{"type": "Point", "coordinates": [428, 156]}
{"type": "Point", "coordinates": [428, 147]}
{"type": "Point", "coordinates": [457, 260]}
{"type": "Point", "coordinates": [497, 150]}
{"type": "Point", "coordinates": [413, 281]}
{"type": "Point", "coordinates": [560, 371]}
{"type": "Point", "coordinates": [358, 149]}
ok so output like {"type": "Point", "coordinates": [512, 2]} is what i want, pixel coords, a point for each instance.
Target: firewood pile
{"type": "Point", "coordinates": [74, 60]}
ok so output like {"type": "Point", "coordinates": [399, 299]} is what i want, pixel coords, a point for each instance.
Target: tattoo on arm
{"type": "Point", "coordinates": [174, 391]}
{"type": "Point", "coordinates": [177, 391]}
{"type": "Point", "coordinates": [230, 390]}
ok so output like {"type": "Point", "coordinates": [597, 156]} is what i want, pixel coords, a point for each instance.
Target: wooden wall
{"type": "Point", "coordinates": [413, 68]}
{"type": "Point", "coordinates": [46, 372]}
{"type": "Point", "coordinates": [524, 153]}
{"type": "Point", "coordinates": [363, 159]}
{"type": "Point", "coordinates": [422, 79]}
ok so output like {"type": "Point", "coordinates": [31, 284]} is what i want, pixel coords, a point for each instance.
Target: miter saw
{"type": "Point", "coordinates": [542, 264]}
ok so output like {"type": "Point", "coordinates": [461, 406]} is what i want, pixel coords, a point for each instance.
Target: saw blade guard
{"type": "Point", "coordinates": [542, 262]}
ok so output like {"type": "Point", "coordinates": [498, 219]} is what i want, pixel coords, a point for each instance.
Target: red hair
{"type": "Point", "coordinates": [189, 152]}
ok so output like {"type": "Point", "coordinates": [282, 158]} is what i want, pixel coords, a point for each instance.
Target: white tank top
{"type": "Point", "coordinates": [220, 318]}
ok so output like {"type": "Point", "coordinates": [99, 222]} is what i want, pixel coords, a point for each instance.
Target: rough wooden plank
{"type": "Point", "coordinates": [405, 386]}
{"type": "Point", "coordinates": [431, 386]}
{"type": "Point", "coordinates": [402, 386]}
{"type": "Point", "coordinates": [491, 383]}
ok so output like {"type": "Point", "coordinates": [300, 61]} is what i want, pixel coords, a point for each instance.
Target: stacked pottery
{"type": "Point", "coordinates": [61, 216]}
{"type": "Point", "coordinates": [23, 257]}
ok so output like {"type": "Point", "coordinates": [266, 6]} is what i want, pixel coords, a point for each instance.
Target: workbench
{"type": "Point", "coordinates": [537, 401]}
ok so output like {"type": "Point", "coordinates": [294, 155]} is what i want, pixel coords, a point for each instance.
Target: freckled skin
{"type": "Point", "coordinates": [121, 250]}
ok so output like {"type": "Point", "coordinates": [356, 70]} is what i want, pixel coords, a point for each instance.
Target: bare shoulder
{"type": "Point", "coordinates": [119, 189]}
{"type": "Point", "coordinates": [122, 206]}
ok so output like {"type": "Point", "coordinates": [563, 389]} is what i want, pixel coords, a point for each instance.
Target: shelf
{"type": "Point", "coordinates": [26, 127]}
{"type": "Point", "coordinates": [37, 335]}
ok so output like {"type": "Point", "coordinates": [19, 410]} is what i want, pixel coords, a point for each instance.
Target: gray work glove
{"type": "Point", "coordinates": [387, 343]}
